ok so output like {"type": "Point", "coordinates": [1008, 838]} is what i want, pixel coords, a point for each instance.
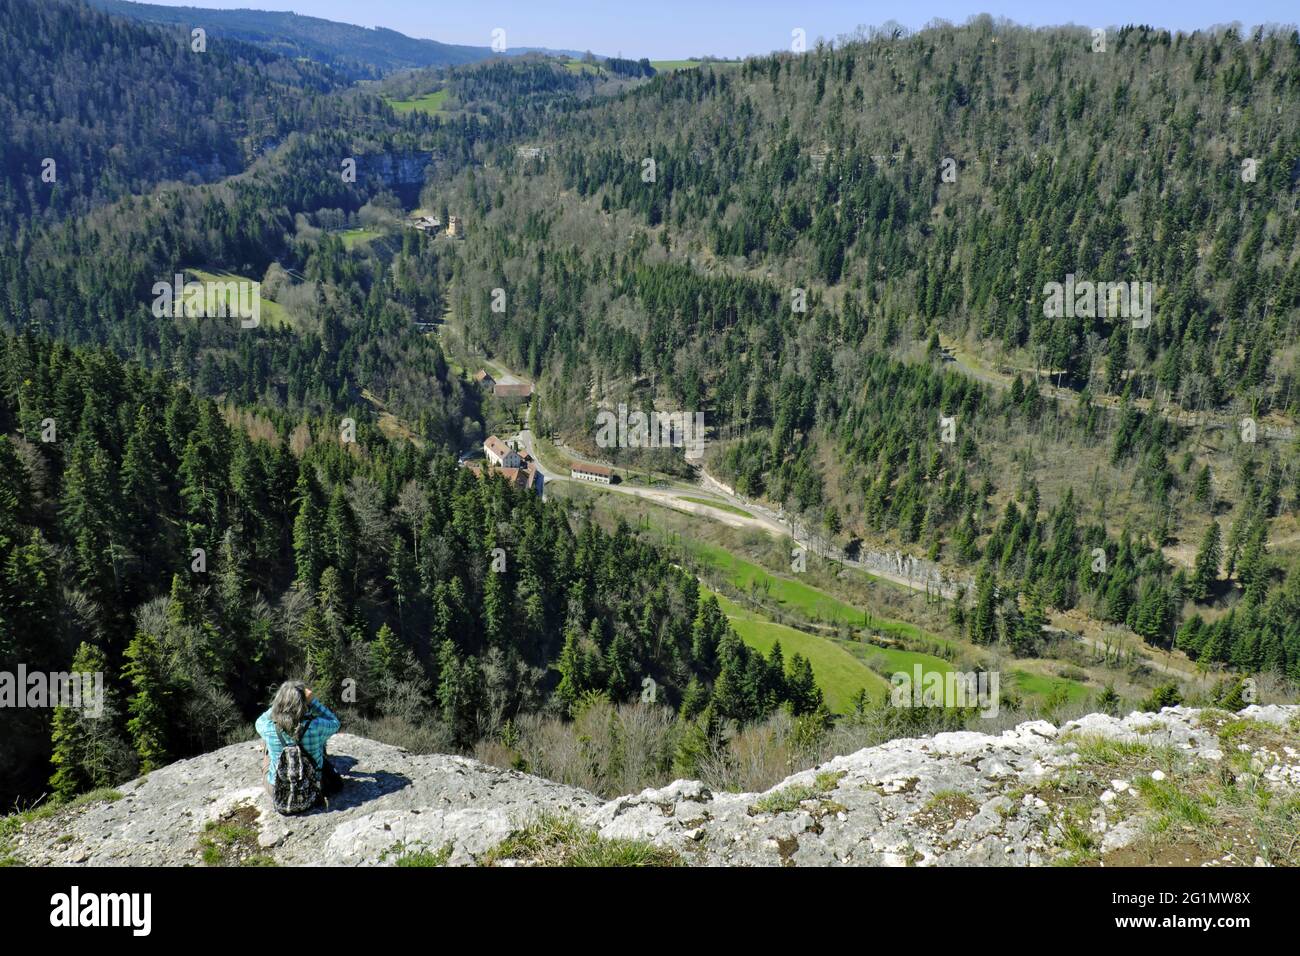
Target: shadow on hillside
{"type": "Point", "coordinates": [359, 786]}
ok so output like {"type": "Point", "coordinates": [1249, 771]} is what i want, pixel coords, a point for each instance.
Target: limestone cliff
{"type": "Point", "coordinates": [1182, 787]}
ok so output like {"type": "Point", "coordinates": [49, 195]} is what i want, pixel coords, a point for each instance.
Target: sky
{"type": "Point", "coordinates": [674, 29]}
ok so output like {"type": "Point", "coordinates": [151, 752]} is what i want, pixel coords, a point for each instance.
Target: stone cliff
{"type": "Point", "coordinates": [1182, 787]}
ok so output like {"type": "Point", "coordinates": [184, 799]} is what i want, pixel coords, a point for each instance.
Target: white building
{"type": "Point", "coordinates": [597, 473]}
{"type": "Point", "coordinates": [501, 454]}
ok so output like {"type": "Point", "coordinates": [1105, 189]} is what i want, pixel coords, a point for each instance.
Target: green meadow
{"type": "Point", "coordinates": [1039, 685]}
{"type": "Point", "coordinates": [839, 674]}
{"type": "Point", "coordinates": [794, 596]}
{"type": "Point", "coordinates": [270, 315]}
{"type": "Point", "coordinates": [359, 236]}
{"type": "Point", "coordinates": [892, 660]}
{"type": "Point", "coordinates": [428, 103]}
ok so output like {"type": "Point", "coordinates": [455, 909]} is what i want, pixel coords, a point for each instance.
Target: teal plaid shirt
{"type": "Point", "coordinates": [323, 726]}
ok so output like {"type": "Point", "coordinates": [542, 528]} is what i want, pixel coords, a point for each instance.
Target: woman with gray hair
{"type": "Point", "coordinates": [296, 717]}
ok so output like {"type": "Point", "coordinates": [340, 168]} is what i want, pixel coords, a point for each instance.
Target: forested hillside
{"type": "Point", "coordinates": [196, 553]}
{"type": "Point", "coordinates": [355, 51]}
{"type": "Point", "coordinates": [93, 108]}
{"type": "Point", "coordinates": [798, 259]}
{"type": "Point", "coordinates": [841, 258]}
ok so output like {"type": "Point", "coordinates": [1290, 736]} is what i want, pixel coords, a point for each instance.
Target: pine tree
{"type": "Point", "coordinates": [804, 694]}
{"type": "Point", "coordinates": [1205, 570]}
{"type": "Point", "coordinates": [707, 631]}
{"type": "Point", "coordinates": [325, 636]}
{"type": "Point", "coordinates": [341, 538]}
{"type": "Point", "coordinates": [729, 687]}
{"type": "Point", "coordinates": [88, 749]}
{"type": "Point", "coordinates": [308, 529]}
{"type": "Point", "coordinates": [1028, 632]}
{"type": "Point", "coordinates": [1203, 490]}
{"type": "Point", "coordinates": [983, 617]}
{"type": "Point", "coordinates": [495, 628]}
{"type": "Point", "coordinates": [150, 704]}
{"type": "Point", "coordinates": [573, 675]}
{"type": "Point", "coordinates": [619, 668]}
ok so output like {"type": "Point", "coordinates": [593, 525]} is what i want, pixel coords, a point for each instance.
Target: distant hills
{"type": "Point", "coordinates": [354, 50]}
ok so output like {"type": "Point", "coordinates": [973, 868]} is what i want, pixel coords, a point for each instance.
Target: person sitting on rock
{"type": "Point", "coordinates": [296, 716]}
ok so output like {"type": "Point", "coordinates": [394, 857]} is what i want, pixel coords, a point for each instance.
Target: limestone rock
{"type": "Point", "coordinates": [956, 799]}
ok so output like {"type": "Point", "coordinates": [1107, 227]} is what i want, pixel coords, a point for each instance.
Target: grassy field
{"type": "Point", "coordinates": [428, 103]}
{"type": "Point", "coordinates": [797, 597]}
{"type": "Point", "coordinates": [839, 674]}
{"type": "Point", "coordinates": [793, 595]}
{"type": "Point", "coordinates": [1039, 685]}
{"type": "Point", "coordinates": [270, 314]}
{"type": "Point", "coordinates": [358, 237]}
{"type": "Point", "coordinates": [892, 660]}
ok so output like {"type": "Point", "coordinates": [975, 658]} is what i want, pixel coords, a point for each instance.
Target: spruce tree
{"type": "Point", "coordinates": [150, 704]}
{"type": "Point", "coordinates": [1205, 570]}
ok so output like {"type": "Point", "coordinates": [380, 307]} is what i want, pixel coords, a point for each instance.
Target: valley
{"type": "Point", "coordinates": [838, 254]}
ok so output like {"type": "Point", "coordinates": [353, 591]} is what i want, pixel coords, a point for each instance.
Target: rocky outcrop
{"type": "Point", "coordinates": [394, 169]}
{"type": "Point", "coordinates": [1087, 791]}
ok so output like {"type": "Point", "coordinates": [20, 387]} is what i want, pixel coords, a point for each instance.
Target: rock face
{"type": "Point", "coordinates": [395, 169]}
{"type": "Point", "coordinates": [953, 799]}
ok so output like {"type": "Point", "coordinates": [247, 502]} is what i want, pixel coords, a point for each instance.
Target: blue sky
{"type": "Point", "coordinates": [663, 29]}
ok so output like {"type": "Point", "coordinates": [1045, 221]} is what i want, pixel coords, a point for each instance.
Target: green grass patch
{"type": "Point", "coordinates": [792, 595]}
{"type": "Point", "coordinates": [796, 597]}
{"type": "Point", "coordinates": [1041, 686]}
{"type": "Point", "coordinates": [789, 798]}
{"type": "Point", "coordinates": [232, 840]}
{"type": "Point", "coordinates": [945, 808]}
{"type": "Point", "coordinates": [892, 660]}
{"type": "Point", "coordinates": [557, 840]}
{"type": "Point", "coordinates": [814, 603]}
{"type": "Point", "coordinates": [1108, 752]}
{"type": "Point", "coordinates": [578, 66]}
{"type": "Point", "coordinates": [428, 103]}
{"type": "Point", "coordinates": [352, 238]}
{"type": "Point", "coordinates": [1254, 733]}
{"type": "Point", "coordinates": [270, 314]}
{"type": "Point", "coordinates": [839, 674]}
{"type": "Point", "coordinates": [670, 65]}
{"type": "Point", "coordinates": [421, 858]}
{"type": "Point", "coordinates": [1174, 804]}
{"type": "Point", "coordinates": [1129, 757]}
{"type": "Point", "coordinates": [785, 799]}
{"type": "Point", "coordinates": [1080, 845]}
{"type": "Point", "coordinates": [11, 824]}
